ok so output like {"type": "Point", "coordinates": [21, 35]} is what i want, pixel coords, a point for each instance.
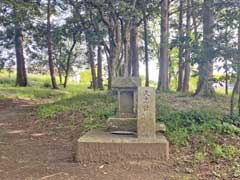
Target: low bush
{"type": "Point", "coordinates": [181, 125]}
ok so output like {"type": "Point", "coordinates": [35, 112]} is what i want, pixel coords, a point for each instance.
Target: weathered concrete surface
{"type": "Point", "coordinates": [146, 125]}
{"type": "Point", "coordinates": [101, 146]}
{"type": "Point", "coordinates": [122, 124]}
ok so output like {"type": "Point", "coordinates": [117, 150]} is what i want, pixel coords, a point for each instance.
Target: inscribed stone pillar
{"type": "Point", "coordinates": [146, 112]}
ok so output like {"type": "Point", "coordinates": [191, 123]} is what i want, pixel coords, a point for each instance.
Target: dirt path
{"type": "Point", "coordinates": [29, 153]}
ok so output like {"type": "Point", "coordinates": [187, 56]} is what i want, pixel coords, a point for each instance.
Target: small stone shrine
{"type": "Point", "coordinates": [132, 134]}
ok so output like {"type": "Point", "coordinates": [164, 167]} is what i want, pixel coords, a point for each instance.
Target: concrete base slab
{"type": "Point", "coordinates": [101, 146]}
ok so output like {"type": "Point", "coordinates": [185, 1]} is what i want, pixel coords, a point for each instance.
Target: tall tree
{"type": "Point", "coordinates": [164, 61]}
{"type": "Point", "coordinates": [145, 21]}
{"type": "Point", "coordinates": [92, 65]}
{"type": "Point", "coordinates": [180, 42]}
{"type": "Point", "coordinates": [69, 60]}
{"type": "Point", "coordinates": [21, 69]}
{"type": "Point", "coordinates": [99, 67]}
{"type": "Point", "coordinates": [134, 48]}
{"type": "Point", "coordinates": [187, 51]}
{"type": "Point", "coordinates": [16, 20]}
{"type": "Point", "coordinates": [207, 55]}
{"type": "Point", "coordinates": [49, 41]}
{"type": "Point", "coordinates": [237, 83]}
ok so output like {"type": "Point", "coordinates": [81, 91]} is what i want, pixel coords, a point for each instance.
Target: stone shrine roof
{"type": "Point", "coordinates": [126, 82]}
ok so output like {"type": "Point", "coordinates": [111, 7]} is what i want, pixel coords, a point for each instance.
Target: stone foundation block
{"type": "Point", "coordinates": [101, 146]}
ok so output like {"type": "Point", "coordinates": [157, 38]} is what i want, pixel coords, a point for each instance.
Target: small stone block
{"type": "Point", "coordinates": [101, 146]}
{"type": "Point", "coordinates": [122, 124]}
{"type": "Point", "coordinates": [160, 127]}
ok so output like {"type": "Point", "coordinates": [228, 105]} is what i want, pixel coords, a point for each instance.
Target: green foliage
{"type": "Point", "coordinates": [178, 136]}
{"type": "Point", "coordinates": [230, 129]}
{"type": "Point", "coordinates": [181, 125]}
{"type": "Point", "coordinates": [47, 85]}
{"type": "Point", "coordinates": [228, 152]}
{"type": "Point", "coordinates": [217, 151]}
{"type": "Point", "coordinates": [199, 156]}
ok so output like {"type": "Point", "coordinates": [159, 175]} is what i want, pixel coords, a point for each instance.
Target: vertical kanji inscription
{"type": "Point", "coordinates": [146, 112]}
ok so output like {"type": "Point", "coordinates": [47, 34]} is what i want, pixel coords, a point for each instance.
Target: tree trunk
{"type": "Point", "coordinates": [180, 53]}
{"type": "Point", "coordinates": [109, 79]}
{"type": "Point", "coordinates": [206, 64]}
{"type": "Point", "coordinates": [194, 21]}
{"type": "Point", "coordinates": [126, 42]}
{"type": "Point", "coordinates": [146, 49]}
{"type": "Point", "coordinates": [21, 79]}
{"type": "Point", "coordinates": [49, 41]}
{"type": "Point", "coordinates": [92, 66]}
{"type": "Point", "coordinates": [99, 68]}
{"type": "Point", "coordinates": [188, 51]}
{"type": "Point", "coordinates": [225, 66]}
{"type": "Point", "coordinates": [226, 77]}
{"type": "Point", "coordinates": [115, 50]}
{"type": "Point", "coordinates": [134, 48]}
{"type": "Point", "coordinates": [163, 61]}
{"type": "Point", "coordinates": [68, 62]}
{"type": "Point", "coordinates": [235, 88]}
{"type": "Point", "coordinates": [60, 75]}
{"type": "Point", "coordinates": [238, 56]}
{"type": "Point", "coordinates": [170, 72]}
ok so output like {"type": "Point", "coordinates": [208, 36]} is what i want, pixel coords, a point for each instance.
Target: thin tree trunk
{"type": "Point", "coordinates": [163, 61]}
{"type": "Point", "coordinates": [99, 68]}
{"type": "Point", "coordinates": [226, 66]}
{"type": "Point", "coordinates": [235, 88]}
{"type": "Point", "coordinates": [92, 66]}
{"type": "Point", "coordinates": [146, 49]}
{"type": "Point", "coordinates": [180, 53]}
{"type": "Point", "coordinates": [170, 72]}
{"type": "Point", "coordinates": [226, 78]}
{"type": "Point", "coordinates": [109, 79]}
{"type": "Point", "coordinates": [49, 40]}
{"type": "Point", "coordinates": [68, 62]}
{"type": "Point", "coordinates": [21, 79]}
{"type": "Point", "coordinates": [188, 52]}
{"type": "Point", "coordinates": [238, 56]}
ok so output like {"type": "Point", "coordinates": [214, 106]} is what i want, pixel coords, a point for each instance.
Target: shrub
{"type": "Point", "coordinates": [47, 85]}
